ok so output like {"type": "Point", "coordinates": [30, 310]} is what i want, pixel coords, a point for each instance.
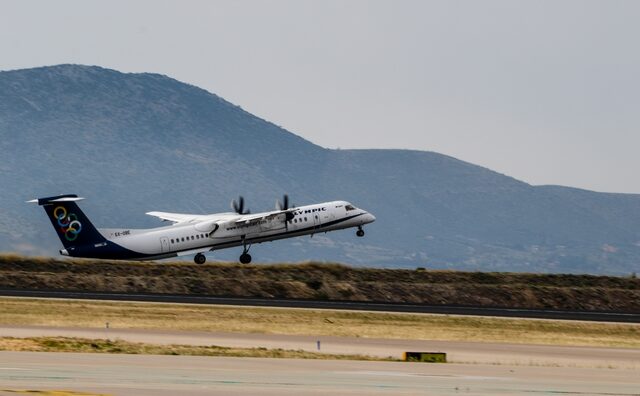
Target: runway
{"type": "Point", "coordinates": [187, 375]}
{"type": "Point", "coordinates": [457, 351]}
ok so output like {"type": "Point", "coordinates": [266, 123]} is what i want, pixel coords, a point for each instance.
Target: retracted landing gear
{"type": "Point", "coordinates": [200, 258]}
{"type": "Point", "coordinates": [360, 232]}
{"type": "Point", "coordinates": [245, 257]}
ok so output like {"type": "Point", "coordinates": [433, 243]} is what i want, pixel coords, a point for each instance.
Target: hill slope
{"type": "Point", "coordinates": [139, 142]}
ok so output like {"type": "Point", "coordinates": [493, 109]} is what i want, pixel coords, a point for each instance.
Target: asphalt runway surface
{"type": "Point", "coordinates": [457, 351]}
{"type": "Point", "coordinates": [475, 368]}
{"type": "Point", "coordinates": [192, 375]}
{"type": "Point", "coordinates": [622, 317]}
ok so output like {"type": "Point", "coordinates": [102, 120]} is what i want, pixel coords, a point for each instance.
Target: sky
{"type": "Point", "coordinates": [545, 91]}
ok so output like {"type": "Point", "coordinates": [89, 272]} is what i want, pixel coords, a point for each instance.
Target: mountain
{"type": "Point", "coordinates": [132, 143]}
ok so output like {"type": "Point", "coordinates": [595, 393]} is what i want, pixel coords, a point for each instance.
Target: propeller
{"type": "Point", "coordinates": [238, 206]}
{"type": "Point", "coordinates": [284, 204]}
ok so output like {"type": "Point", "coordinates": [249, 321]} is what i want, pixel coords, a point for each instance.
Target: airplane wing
{"type": "Point", "coordinates": [283, 215]}
{"type": "Point", "coordinates": [258, 217]}
{"type": "Point", "coordinates": [177, 217]}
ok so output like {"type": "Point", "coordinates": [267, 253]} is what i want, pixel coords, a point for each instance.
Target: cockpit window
{"type": "Point", "coordinates": [349, 207]}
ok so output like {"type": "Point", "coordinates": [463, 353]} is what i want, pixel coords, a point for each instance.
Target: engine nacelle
{"type": "Point", "coordinates": [207, 226]}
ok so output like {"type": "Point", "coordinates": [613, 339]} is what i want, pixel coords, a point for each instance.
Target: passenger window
{"type": "Point", "coordinates": [305, 219]}
{"type": "Point", "coordinates": [182, 239]}
{"type": "Point", "coordinates": [172, 241]}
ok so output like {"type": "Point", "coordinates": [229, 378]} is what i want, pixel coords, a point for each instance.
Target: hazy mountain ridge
{"type": "Point", "coordinates": [139, 142]}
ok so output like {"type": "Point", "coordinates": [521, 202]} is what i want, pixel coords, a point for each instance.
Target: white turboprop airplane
{"type": "Point", "coordinates": [193, 233]}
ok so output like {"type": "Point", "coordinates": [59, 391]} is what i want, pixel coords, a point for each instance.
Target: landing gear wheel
{"type": "Point", "coordinates": [360, 232]}
{"type": "Point", "coordinates": [200, 258]}
{"type": "Point", "coordinates": [245, 258]}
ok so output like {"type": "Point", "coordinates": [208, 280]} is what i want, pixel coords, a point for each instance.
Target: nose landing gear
{"type": "Point", "coordinates": [360, 232]}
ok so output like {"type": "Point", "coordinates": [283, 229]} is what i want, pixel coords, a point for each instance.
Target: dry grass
{"type": "Point", "coordinates": [84, 345]}
{"type": "Point", "coordinates": [18, 311]}
{"type": "Point", "coordinates": [326, 281]}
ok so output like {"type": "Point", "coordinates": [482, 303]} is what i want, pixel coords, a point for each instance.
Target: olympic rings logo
{"type": "Point", "coordinates": [70, 226]}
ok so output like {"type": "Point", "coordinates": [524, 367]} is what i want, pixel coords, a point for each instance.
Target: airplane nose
{"type": "Point", "coordinates": [370, 218]}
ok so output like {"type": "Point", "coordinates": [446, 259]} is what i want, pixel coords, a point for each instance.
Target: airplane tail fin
{"type": "Point", "coordinates": [71, 224]}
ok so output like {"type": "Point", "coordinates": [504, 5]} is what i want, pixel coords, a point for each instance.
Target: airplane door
{"type": "Point", "coordinates": [164, 244]}
{"type": "Point", "coordinates": [316, 221]}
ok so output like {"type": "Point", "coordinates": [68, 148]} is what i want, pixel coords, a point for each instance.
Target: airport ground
{"type": "Point", "coordinates": [83, 374]}
{"type": "Point", "coordinates": [486, 355]}
{"type": "Point", "coordinates": [319, 322]}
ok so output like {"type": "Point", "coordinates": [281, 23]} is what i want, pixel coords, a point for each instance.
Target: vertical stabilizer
{"type": "Point", "coordinates": [71, 224]}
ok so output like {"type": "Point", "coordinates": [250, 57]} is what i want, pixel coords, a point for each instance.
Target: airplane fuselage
{"type": "Point", "coordinates": [220, 231]}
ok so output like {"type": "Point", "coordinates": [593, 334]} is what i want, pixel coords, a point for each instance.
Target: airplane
{"type": "Point", "coordinates": [193, 233]}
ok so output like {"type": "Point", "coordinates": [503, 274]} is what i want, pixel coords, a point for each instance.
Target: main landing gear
{"type": "Point", "coordinates": [360, 232]}
{"type": "Point", "coordinates": [200, 258]}
{"type": "Point", "coordinates": [245, 257]}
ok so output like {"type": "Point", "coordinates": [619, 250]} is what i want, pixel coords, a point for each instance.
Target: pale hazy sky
{"type": "Point", "coordinates": [544, 91]}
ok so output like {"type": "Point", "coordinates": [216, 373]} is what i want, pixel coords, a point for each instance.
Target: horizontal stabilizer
{"type": "Point", "coordinates": [56, 199]}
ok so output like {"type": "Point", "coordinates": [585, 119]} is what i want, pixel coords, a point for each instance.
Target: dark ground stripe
{"type": "Point", "coordinates": [342, 305]}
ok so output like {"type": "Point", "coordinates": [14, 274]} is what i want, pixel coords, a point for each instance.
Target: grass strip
{"type": "Point", "coordinates": [213, 318]}
{"type": "Point", "coordinates": [85, 345]}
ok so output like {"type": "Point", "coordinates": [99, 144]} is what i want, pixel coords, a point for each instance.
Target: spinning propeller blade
{"type": "Point", "coordinates": [284, 204]}
{"type": "Point", "coordinates": [238, 206]}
